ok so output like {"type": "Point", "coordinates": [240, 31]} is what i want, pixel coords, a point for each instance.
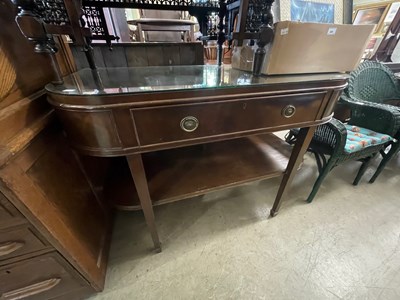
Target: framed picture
{"type": "Point", "coordinates": [309, 11]}
{"type": "Point", "coordinates": [391, 13]}
{"type": "Point", "coordinates": [371, 43]}
{"type": "Point", "coordinates": [370, 15]}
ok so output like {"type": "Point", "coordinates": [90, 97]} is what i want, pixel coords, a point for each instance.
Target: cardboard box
{"type": "Point", "coordinates": [300, 48]}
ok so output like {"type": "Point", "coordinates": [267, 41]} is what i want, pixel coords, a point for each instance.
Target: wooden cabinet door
{"type": "Point", "coordinates": [45, 182]}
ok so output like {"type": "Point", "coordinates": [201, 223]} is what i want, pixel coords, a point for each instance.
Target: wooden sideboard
{"type": "Point", "coordinates": [187, 130]}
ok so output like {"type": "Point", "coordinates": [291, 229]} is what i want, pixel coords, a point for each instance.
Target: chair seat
{"type": "Point", "coordinates": [359, 138]}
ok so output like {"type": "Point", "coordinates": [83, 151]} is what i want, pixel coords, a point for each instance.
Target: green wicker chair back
{"type": "Point", "coordinates": [373, 82]}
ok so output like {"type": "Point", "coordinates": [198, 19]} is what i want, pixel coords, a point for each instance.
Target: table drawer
{"type": "Point", "coordinates": [18, 241]}
{"type": "Point", "coordinates": [43, 277]}
{"type": "Point", "coordinates": [9, 215]}
{"type": "Point", "coordinates": [184, 122]}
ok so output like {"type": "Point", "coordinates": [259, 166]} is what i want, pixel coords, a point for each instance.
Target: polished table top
{"type": "Point", "coordinates": [111, 81]}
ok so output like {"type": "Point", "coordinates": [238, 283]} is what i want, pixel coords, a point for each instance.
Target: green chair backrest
{"type": "Point", "coordinates": [373, 82]}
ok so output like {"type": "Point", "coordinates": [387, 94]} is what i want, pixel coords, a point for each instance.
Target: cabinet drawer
{"type": "Point", "coordinates": [18, 241]}
{"type": "Point", "coordinates": [9, 215]}
{"type": "Point", "coordinates": [185, 122]}
{"type": "Point", "coordinates": [43, 277]}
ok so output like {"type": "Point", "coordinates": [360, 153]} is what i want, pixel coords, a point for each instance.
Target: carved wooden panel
{"type": "Point", "coordinates": [142, 54]}
{"type": "Point", "coordinates": [47, 185]}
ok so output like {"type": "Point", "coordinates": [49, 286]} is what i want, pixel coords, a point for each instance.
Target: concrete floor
{"type": "Point", "coordinates": [345, 245]}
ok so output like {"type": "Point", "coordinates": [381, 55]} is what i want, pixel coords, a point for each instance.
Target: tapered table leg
{"type": "Point", "coordinates": [303, 141]}
{"type": "Point", "coordinates": [139, 177]}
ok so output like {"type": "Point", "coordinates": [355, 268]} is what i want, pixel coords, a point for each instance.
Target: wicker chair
{"type": "Point", "coordinates": [375, 82]}
{"type": "Point", "coordinates": [330, 139]}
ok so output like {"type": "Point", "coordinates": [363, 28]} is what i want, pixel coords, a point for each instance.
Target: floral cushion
{"type": "Point", "coordinates": [359, 138]}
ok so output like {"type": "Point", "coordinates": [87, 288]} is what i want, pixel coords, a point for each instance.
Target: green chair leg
{"type": "Point", "coordinates": [362, 170]}
{"type": "Point", "coordinates": [318, 183]}
{"type": "Point", "coordinates": [290, 138]}
{"type": "Point", "coordinates": [393, 150]}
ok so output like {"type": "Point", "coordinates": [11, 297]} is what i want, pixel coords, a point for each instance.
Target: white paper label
{"type": "Point", "coordinates": [332, 31]}
{"type": "Point", "coordinates": [284, 31]}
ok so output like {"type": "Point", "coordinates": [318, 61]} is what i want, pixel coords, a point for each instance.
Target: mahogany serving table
{"type": "Point", "coordinates": [187, 130]}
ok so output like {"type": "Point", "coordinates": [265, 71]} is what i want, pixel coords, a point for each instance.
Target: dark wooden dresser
{"type": "Point", "coordinates": [54, 232]}
{"type": "Point", "coordinates": [30, 267]}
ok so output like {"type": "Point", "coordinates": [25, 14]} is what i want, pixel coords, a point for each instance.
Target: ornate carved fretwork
{"type": "Point", "coordinates": [255, 14]}
{"type": "Point", "coordinates": [84, 20]}
{"type": "Point", "coordinates": [155, 4]}
{"type": "Point", "coordinates": [94, 19]}
{"type": "Point", "coordinates": [221, 30]}
{"type": "Point", "coordinates": [259, 13]}
{"type": "Point", "coordinates": [52, 11]}
{"type": "Point", "coordinates": [254, 22]}
{"type": "Point", "coordinates": [212, 25]}
{"type": "Point", "coordinates": [32, 26]}
{"type": "Point", "coordinates": [201, 9]}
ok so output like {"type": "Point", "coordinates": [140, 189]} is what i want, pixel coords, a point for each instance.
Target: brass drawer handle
{"type": "Point", "coordinates": [10, 247]}
{"type": "Point", "coordinates": [31, 290]}
{"type": "Point", "coordinates": [189, 124]}
{"type": "Point", "coordinates": [288, 111]}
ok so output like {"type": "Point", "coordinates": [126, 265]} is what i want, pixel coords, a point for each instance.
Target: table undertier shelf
{"type": "Point", "coordinates": [195, 170]}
